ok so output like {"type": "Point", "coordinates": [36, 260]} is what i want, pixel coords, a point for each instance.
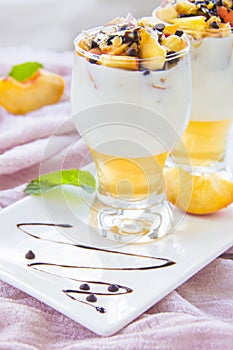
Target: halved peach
{"type": "Point", "coordinates": [198, 195]}
{"type": "Point", "coordinates": [42, 89]}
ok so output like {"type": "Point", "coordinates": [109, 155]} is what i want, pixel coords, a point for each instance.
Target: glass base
{"type": "Point", "coordinates": [131, 223]}
{"type": "Point", "coordinates": [219, 168]}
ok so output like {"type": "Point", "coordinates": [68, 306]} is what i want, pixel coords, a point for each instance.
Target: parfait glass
{"type": "Point", "coordinates": [130, 112]}
{"type": "Point", "coordinates": [208, 135]}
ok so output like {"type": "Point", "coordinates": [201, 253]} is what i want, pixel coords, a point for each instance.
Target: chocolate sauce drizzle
{"type": "Point", "coordinates": [72, 293]}
{"type": "Point", "coordinates": [167, 262]}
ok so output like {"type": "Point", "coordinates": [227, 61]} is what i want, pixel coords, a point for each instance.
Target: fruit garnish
{"type": "Point", "coordinates": [198, 195]}
{"type": "Point", "coordinates": [150, 48]}
{"type": "Point", "coordinates": [225, 14]}
{"type": "Point", "coordinates": [42, 89]}
{"type": "Point", "coordinates": [24, 71]}
{"type": "Point", "coordinates": [186, 8]}
{"type": "Point", "coordinates": [196, 22]}
{"type": "Point", "coordinates": [174, 43]}
{"type": "Point", "coordinates": [167, 13]}
{"type": "Point", "coordinates": [123, 62]}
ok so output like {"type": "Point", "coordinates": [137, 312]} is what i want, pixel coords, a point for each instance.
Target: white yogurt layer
{"type": "Point", "coordinates": [167, 93]}
{"type": "Point", "coordinates": [212, 75]}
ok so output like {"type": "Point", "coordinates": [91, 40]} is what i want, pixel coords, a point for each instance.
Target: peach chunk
{"type": "Point", "coordinates": [44, 88]}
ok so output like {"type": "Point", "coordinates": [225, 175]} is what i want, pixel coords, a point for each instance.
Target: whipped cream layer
{"type": "Point", "coordinates": [164, 92]}
{"type": "Point", "coordinates": [212, 74]}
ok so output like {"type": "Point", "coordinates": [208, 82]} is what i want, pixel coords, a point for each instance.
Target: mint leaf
{"type": "Point", "coordinates": [74, 177]}
{"type": "Point", "coordinates": [24, 71]}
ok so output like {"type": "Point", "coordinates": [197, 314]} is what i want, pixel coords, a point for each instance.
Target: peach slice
{"type": "Point", "coordinates": [174, 43]}
{"type": "Point", "coordinates": [123, 62]}
{"type": "Point", "coordinates": [170, 29]}
{"type": "Point", "coordinates": [186, 8]}
{"type": "Point", "coordinates": [166, 13]}
{"type": "Point", "coordinates": [150, 48]}
{"type": "Point", "coordinates": [42, 89]}
{"type": "Point", "coordinates": [195, 22]}
{"type": "Point", "coordinates": [198, 195]}
{"type": "Point", "coordinates": [225, 14]}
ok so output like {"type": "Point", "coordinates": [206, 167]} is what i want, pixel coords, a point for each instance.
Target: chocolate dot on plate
{"type": "Point", "coordinates": [92, 298]}
{"type": "Point", "coordinates": [30, 255]}
{"type": "Point", "coordinates": [113, 288]}
{"type": "Point", "coordinates": [84, 286]}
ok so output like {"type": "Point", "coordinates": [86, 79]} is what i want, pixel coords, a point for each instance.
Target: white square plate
{"type": "Point", "coordinates": [65, 259]}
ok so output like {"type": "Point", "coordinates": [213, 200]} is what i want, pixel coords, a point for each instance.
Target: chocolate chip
{"type": "Point", "coordinates": [179, 32]}
{"type": "Point", "coordinates": [109, 41]}
{"type": "Point", "coordinates": [146, 72]}
{"type": "Point", "coordinates": [160, 27]}
{"type": "Point", "coordinates": [135, 34]}
{"type": "Point", "coordinates": [101, 309]}
{"type": "Point", "coordinates": [124, 27]}
{"type": "Point", "coordinates": [126, 39]}
{"type": "Point", "coordinates": [113, 288]}
{"type": "Point", "coordinates": [131, 52]}
{"type": "Point", "coordinates": [84, 286]}
{"type": "Point", "coordinates": [214, 25]}
{"type": "Point", "coordinates": [92, 298]}
{"type": "Point", "coordinates": [30, 255]}
{"type": "Point", "coordinates": [93, 44]}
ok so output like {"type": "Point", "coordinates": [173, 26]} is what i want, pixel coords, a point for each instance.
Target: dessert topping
{"type": "Point", "coordinates": [125, 43]}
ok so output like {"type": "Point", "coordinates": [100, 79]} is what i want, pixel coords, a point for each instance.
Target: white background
{"type": "Point", "coordinates": [53, 24]}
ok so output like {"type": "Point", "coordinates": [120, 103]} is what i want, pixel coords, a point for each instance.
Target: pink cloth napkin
{"type": "Point", "coordinates": [197, 315]}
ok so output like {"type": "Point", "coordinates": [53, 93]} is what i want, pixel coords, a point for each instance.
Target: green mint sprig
{"type": "Point", "coordinates": [24, 71]}
{"type": "Point", "coordinates": [74, 177]}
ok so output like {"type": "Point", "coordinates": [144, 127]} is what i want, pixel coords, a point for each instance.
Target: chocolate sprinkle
{"type": "Point", "coordinates": [92, 298]}
{"type": "Point", "coordinates": [113, 288]}
{"type": "Point", "coordinates": [84, 286]}
{"type": "Point", "coordinates": [30, 255]}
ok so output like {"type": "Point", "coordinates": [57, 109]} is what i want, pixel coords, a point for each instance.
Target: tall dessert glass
{"type": "Point", "coordinates": [130, 100]}
{"type": "Point", "coordinates": [208, 133]}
